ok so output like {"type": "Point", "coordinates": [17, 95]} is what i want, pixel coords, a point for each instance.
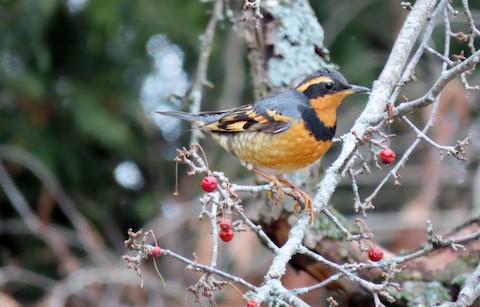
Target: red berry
{"type": "Point", "coordinates": [209, 184]}
{"type": "Point", "coordinates": [155, 251]}
{"type": "Point", "coordinates": [252, 303]}
{"type": "Point", "coordinates": [387, 155]}
{"type": "Point", "coordinates": [375, 253]}
{"type": "Point", "coordinates": [226, 235]}
{"type": "Point", "coordinates": [225, 223]}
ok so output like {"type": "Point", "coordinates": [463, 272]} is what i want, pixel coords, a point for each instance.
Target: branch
{"type": "Point", "coordinates": [379, 98]}
{"type": "Point", "coordinates": [54, 240]}
{"type": "Point", "coordinates": [11, 273]}
{"type": "Point", "coordinates": [209, 269]}
{"type": "Point", "coordinates": [398, 71]}
{"type": "Point", "coordinates": [196, 91]}
{"type": "Point", "coordinates": [455, 151]}
{"type": "Point", "coordinates": [436, 89]}
{"type": "Point", "coordinates": [85, 232]}
{"type": "Point", "coordinates": [80, 283]}
{"type": "Point", "coordinates": [469, 293]}
{"type": "Point", "coordinates": [382, 89]}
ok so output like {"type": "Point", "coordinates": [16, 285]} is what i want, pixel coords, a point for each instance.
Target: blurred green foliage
{"type": "Point", "coordinates": [70, 81]}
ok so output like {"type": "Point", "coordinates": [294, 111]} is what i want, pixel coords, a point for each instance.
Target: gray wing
{"type": "Point", "coordinates": [271, 115]}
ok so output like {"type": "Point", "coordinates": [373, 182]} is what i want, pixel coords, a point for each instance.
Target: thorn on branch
{"type": "Point", "coordinates": [452, 10]}
{"type": "Point", "coordinates": [435, 240]}
{"type": "Point", "coordinates": [367, 137]}
{"type": "Point", "coordinates": [456, 246]}
{"type": "Point", "coordinates": [459, 149]}
{"type": "Point", "coordinates": [249, 6]}
{"type": "Point", "coordinates": [406, 6]}
{"type": "Point", "coordinates": [410, 78]}
{"type": "Point", "coordinates": [206, 286]}
{"type": "Point", "coordinates": [331, 302]}
{"type": "Point", "coordinates": [458, 58]}
{"type": "Point", "coordinates": [396, 177]}
{"type": "Point", "coordinates": [462, 37]}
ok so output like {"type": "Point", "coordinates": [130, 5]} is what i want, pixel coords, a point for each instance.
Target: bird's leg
{"type": "Point", "coordinates": [295, 192]}
{"type": "Point", "coordinates": [307, 201]}
{"type": "Point", "coordinates": [276, 185]}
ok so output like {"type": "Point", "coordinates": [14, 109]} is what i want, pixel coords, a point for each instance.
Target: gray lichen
{"type": "Point", "coordinates": [296, 38]}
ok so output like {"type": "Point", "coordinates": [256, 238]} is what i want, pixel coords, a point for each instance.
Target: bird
{"type": "Point", "coordinates": [282, 133]}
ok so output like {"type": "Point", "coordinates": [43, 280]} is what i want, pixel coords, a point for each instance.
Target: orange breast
{"type": "Point", "coordinates": [283, 152]}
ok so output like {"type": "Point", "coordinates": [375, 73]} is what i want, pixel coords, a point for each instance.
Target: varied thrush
{"type": "Point", "coordinates": [282, 133]}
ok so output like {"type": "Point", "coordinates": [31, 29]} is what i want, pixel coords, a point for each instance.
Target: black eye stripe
{"type": "Point", "coordinates": [320, 89]}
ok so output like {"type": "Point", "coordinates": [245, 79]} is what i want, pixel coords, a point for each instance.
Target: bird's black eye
{"type": "Point", "coordinates": [328, 85]}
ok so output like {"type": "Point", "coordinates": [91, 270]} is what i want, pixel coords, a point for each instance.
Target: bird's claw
{"type": "Point", "coordinates": [276, 193]}
{"type": "Point", "coordinates": [307, 202]}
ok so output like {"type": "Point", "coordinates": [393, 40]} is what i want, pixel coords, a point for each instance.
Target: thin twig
{"type": "Point", "coordinates": [196, 92]}
{"type": "Point", "coordinates": [450, 150]}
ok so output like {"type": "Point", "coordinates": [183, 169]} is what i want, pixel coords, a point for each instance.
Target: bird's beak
{"type": "Point", "coordinates": [356, 89]}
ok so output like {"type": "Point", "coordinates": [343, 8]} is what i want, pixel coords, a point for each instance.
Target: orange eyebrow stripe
{"type": "Point", "coordinates": [302, 87]}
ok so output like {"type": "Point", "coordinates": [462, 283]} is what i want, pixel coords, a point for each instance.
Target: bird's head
{"type": "Point", "coordinates": [326, 89]}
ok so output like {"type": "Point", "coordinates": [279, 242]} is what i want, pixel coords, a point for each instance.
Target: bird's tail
{"type": "Point", "coordinates": [181, 115]}
{"type": "Point", "coordinates": [199, 120]}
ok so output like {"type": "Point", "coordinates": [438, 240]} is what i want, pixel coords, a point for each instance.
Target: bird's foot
{"type": "Point", "coordinates": [300, 196]}
{"type": "Point", "coordinates": [307, 201]}
{"type": "Point", "coordinates": [276, 194]}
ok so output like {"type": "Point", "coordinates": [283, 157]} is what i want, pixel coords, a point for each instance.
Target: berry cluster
{"type": "Point", "coordinates": [226, 232]}
{"type": "Point", "coordinates": [209, 184]}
